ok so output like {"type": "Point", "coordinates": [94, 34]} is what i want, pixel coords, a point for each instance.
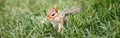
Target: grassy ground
{"type": "Point", "coordinates": [26, 19]}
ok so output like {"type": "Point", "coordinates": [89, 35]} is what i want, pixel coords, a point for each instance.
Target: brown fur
{"type": "Point", "coordinates": [57, 19]}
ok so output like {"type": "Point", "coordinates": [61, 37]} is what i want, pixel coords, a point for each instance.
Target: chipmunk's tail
{"type": "Point", "coordinates": [72, 11]}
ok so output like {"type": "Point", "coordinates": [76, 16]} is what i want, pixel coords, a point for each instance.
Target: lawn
{"type": "Point", "coordinates": [27, 19]}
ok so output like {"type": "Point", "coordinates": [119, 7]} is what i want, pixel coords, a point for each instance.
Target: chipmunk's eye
{"type": "Point", "coordinates": [53, 14]}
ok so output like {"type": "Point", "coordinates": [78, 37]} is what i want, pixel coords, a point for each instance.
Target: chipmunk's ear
{"type": "Point", "coordinates": [56, 9]}
{"type": "Point", "coordinates": [51, 8]}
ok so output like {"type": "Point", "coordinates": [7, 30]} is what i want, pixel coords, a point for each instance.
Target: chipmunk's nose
{"type": "Point", "coordinates": [47, 18]}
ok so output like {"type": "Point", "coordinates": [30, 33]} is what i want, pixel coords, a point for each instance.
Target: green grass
{"type": "Point", "coordinates": [26, 19]}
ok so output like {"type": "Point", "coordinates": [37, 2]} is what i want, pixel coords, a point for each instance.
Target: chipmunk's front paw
{"type": "Point", "coordinates": [59, 31]}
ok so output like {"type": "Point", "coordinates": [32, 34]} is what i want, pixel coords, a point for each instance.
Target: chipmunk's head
{"type": "Point", "coordinates": [52, 13]}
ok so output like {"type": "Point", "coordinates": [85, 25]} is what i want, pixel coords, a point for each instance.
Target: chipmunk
{"type": "Point", "coordinates": [57, 19]}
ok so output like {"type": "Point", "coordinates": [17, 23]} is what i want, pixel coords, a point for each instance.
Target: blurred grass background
{"type": "Point", "coordinates": [26, 19]}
